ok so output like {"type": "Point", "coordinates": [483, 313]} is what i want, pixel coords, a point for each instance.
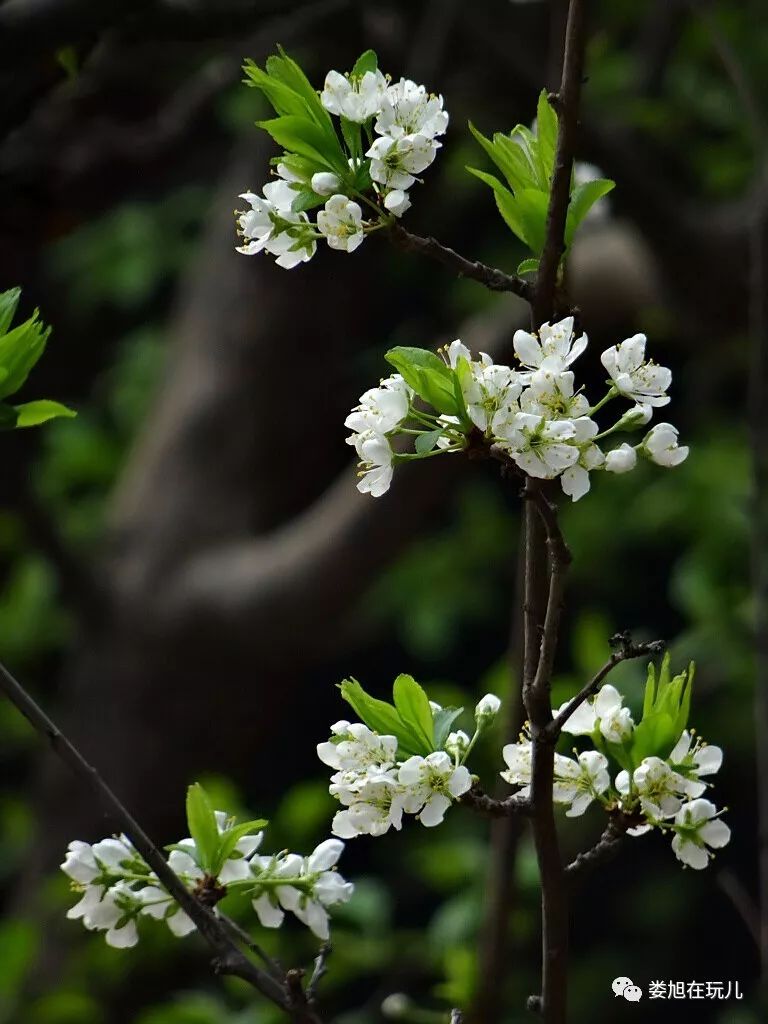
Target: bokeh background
{"type": "Point", "coordinates": [187, 569]}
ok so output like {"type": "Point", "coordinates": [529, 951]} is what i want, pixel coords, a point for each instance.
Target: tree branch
{"type": "Point", "coordinates": [510, 807]}
{"type": "Point", "coordinates": [626, 651]}
{"type": "Point", "coordinates": [604, 850]}
{"type": "Point", "coordinates": [493, 279]}
{"type": "Point", "coordinates": [228, 957]}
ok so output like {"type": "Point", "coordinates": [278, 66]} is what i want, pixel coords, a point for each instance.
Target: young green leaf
{"type": "Point", "coordinates": [443, 721]}
{"type": "Point", "coordinates": [428, 375]}
{"type": "Point", "coordinates": [546, 135]}
{"type": "Point", "coordinates": [367, 61]}
{"type": "Point", "coordinates": [380, 716]}
{"type": "Point", "coordinates": [201, 821]}
{"type": "Point", "coordinates": [32, 414]}
{"type": "Point", "coordinates": [529, 266]}
{"type": "Point", "coordinates": [413, 707]}
{"type": "Point", "coordinates": [228, 841]}
{"type": "Point", "coordinates": [426, 442]}
{"type": "Point", "coordinates": [8, 302]}
{"type": "Point", "coordinates": [20, 350]}
{"type": "Point", "coordinates": [583, 198]}
{"type": "Point", "coordinates": [303, 136]}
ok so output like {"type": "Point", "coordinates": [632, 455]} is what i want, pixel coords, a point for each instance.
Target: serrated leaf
{"type": "Point", "coordinates": [352, 133]}
{"type": "Point", "coordinates": [8, 303]}
{"type": "Point", "coordinates": [505, 203]}
{"type": "Point", "coordinates": [305, 200]}
{"type": "Point", "coordinates": [201, 821]}
{"type": "Point", "coordinates": [32, 414]}
{"type": "Point", "coordinates": [412, 705]}
{"type": "Point", "coordinates": [529, 266]}
{"type": "Point", "coordinates": [428, 375]}
{"type": "Point", "coordinates": [443, 721]}
{"type": "Point", "coordinates": [583, 198]}
{"type": "Point", "coordinates": [303, 136]}
{"type": "Point", "coordinates": [20, 349]}
{"type": "Point", "coordinates": [380, 716]}
{"type": "Point", "coordinates": [367, 61]}
{"type": "Point", "coordinates": [532, 207]}
{"type": "Point", "coordinates": [546, 135]}
{"type": "Point", "coordinates": [426, 442]}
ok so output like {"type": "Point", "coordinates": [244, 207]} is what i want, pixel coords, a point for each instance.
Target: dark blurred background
{"type": "Point", "coordinates": [187, 569]}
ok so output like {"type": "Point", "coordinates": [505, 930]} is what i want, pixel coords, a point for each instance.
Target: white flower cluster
{"type": "Point", "coordinates": [117, 888]}
{"type": "Point", "coordinates": [406, 121]}
{"type": "Point", "coordinates": [534, 413]}
{"type": "Point", "coordinates": [660, 793]}
{"type": "Point", "coordinates": [376, 787]}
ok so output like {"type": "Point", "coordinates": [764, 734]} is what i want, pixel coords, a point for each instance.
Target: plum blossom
{"type": "Point", "coordinates": [396, 162]}
{"type": "Point", "coordinates": [692, 759]}
{"type": "Point", "coordinates": [272, 225]}
{"type": "Point", "coordinates": [660, 446]}
{"type": "Point", "coordinates": [518, 758]}
{"type": "Point", "coordinates": [431, 784]}
{"type": "Point", "coordinates": [579, 782]}
{"type": "Point", "coordinates": [633, 376]}
{"type": "Point", "coordinates": [341, 221]}
{"type": "Point", "coordinates": [698, 829]}
{"type": "Point", "coordinates": [408, 109]}
{"type": "Point", "coordinates": [357, 98]}
{"type": "Point", "coordinates": [656, 785]}
{"type": "Point", "coordinates": [607, 711]}
{"type": "Point", "coordinates": [554, 349]}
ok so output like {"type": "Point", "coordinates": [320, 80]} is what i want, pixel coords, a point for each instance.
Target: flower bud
{"type": "Point", "coordinates": [395, 1006]}
{"type": "Point", "coordinates": [397, 202]}
{"type": "Point", "coordinates": [457, 743]}
{"type": "Point", "coordinates": [621, 459]}
{"type": "Point", "coordinates": [325, 183]}
{"type": "Point", "coordinates": [488, 707]}
{"type": "Point", "coordinates": [635, 417]}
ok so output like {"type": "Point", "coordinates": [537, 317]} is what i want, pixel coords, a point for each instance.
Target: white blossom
{"type": "Point", "coordinates": [357, 748]}
{"type": "Point", "coordinates": [341, 221]}
{"type": "Point", "coordinates": [325, 183]}
{"type": "Point", "coordinates": [656, 785]}
{"type": "Point", "coordinates": [539, 447]}
{"type": "Point", "coordinates": [372, 808]}
{"type": "Point", "coordinates": [382, 409]}
{"type": "Point", "coordinates": [551, 393]}
{"type": "Point", "coordinates": [408, 109]}
{"type": "Point", "coordinates": [488, 706]}
{"type": "Point", "coordinates": [271, 225]}
{"type": "Point", "coordinates": [661, 447]}
{"type": "Point", "coordinates": [357, 98]}
{"type": "Point", "coordinates": [605, 710]}
{"type": "Point", "coordinates": [395, 162]}
{"type": "Point", "coordinates": [697, 828]}
{"type": "Point", "coordinates": [554, 349]}
{"type": "Point", "coordinates": [621, 459]}
{"type": "Point", "coordinates": [575, 479]}
{"type": "Point", "coordinates": [518, 758]}
{"type": "Point", "coordinates": [457, 744]}
{"type": "Point", "coordinates": [431, 784]}
{"type": "Point", "coordinates": [579, 782]}
{"type": "Point", "coordinates": [376, 464]}
{"type": "Point", "coordinates": [396, 202]}
{"type": "Point", "coordinates": [692, 760]}
{"type": "Point", "coordinates": [633, 376]}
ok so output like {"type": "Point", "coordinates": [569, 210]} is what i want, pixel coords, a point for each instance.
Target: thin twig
{"type": "Point", "coordinates": [319, 971]}
{"type": "Point", "coordinates": [605, 848]}
{"type": "Point", "coordinates": [493, 279]}
{"type": "Point", "coordinates": [742, 902]}
{"type": "Point", "coordinates": [228, 957]}
{"type": "Point", "coordinates": [510, 807]}
{"type": "Point", "coordinates": [239, 934]}
{"type": "Point", "coordinates": [626, 651]}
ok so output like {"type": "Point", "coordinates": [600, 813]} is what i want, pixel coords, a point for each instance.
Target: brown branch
{"type": "Point", "coordinates": [509, 807]}
{"type": "Point", "coordinates": [493, 279]}
{"type": "Point", "coordinates": [604, 850]}
{"type": "Point", "coordinates": [626, 651]}
{"type": "Point", "coordinates": [228, 958]}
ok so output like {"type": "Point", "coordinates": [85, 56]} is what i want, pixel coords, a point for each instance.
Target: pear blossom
{"type": "Point", "coordinates": [575, 479]}
{"type": "Point", "coordinates": [633, 376]}
{"type": "Point", "coordinates": [656, 785]}
{"type": "Point", "coordinates": [579, 782]}
{"type": "Point", "coordinates": [554, 349]}
{"type": "Point", "coordinates": [660, 445]}
{"type": "Point", "coordinates": [692, 759]}
{"type": "Point", "coordinates": [432, 783]}
{"type": "Point", "coordinates": [273, 226]}
{"type": "Point", "coordinates": [371, 808]}
{"type": "Point", "coordinates": [518, 757]}
{"type": "Point", "coordinates": [621, 459]}
{"type": "Point", "coordinates": [395, 162]}
{"type": "Point", "coordinates": [698, 828]}
{"type": "Point", "coordinates": [376, 464]}
{"type": "Point", "coordinates": [341, 221]}
{"type": "Point", "coordinates": [357, 98]}
{"type": "Point", "coordinates": [539, 447]}
{"type": "Point", "coordinates": [488, 706]}
{"type": "Point", "coordinates": [550, 393]}
{"type": "Point", "coordinates": [408, 109]}
{"type": "Point", "coordinates": [396, 202]}
{"type": "Point", "coordinates": [457, 744]}
{"type": "Point", "coordinates": [382, 409]}
{"type": "Point", "coordinates": [606, 710]}
{"type": "Point", "coordinates": [114, 914]}
{"type": "Point", "coordinates": [489, 390]}
{"type": "Point", "coordinates": [357, 748]}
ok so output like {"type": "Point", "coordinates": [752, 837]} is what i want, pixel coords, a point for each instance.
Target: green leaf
{"type": "Point", "coordinates": [285, 100]}
{"type": "Point", "coordinates": [529, 266]}
{"type": "Point", "coordinates": [352, 136]}
{"type": "Point", "coordinates": [583, 198]}
{"type": "Point", "coordinates": [428, 375]}
{"type": "Point", "coordinates": [8, 302]}
{"type": "Point", "coordinates": [20, 350]}
{"type": "Point", "coordinates": [443, 720]}
{"type": "Point", "coordinates": [505, 203]}
{"type": "Point", "coordinates": [367, 61]}
{"type": "Point", "coordinates": [32, 414]}
{"type": "Point", "coordinates": [510, 158]}
{"type": "Point", "coordinates": [412, 706]}
{"type": "Point", "coordinates": [427, 441]}
{"type": "Point", "coordinates": [546, 135]}
{"type": "Point", "coordinates": [301, 135]}
{"type": "Point", "coordinates": [532, 207]}
{"type": "Point", "coordinates": [201, 821]}
{"type": "Point", "coordinates": [228, 840]}
{"type": "Point", "coordinates": [305, 200]}
{"type": "Point", "coordinates": [380, 716]}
